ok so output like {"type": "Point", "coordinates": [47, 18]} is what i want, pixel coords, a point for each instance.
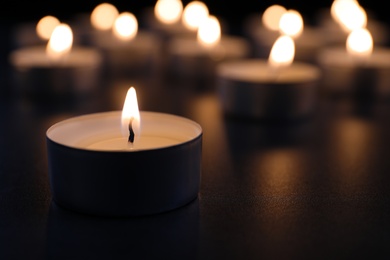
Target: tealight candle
{"type": "Point", "coordinates": [264, 29]}
{"type": "Point", "coordinates": [166, 18]}
{"type": "Point", "coordinates": [275, 89]}
{"type": "Point", "coordinates": [356, 67]}
{"type": "Point", "coordinates": [58, 68]}
{"type": "Point", "coordinates": [128, 51]}
{"type": "Point", "coordinates": [344, 16]}
{"type": "Point", "coordinates": [28, 34]}
{"type": "Point", "coordinates": [198, 57]}
{"type": "Point", "coordinates": [97, 23]}
{"type": "Point", "coordinates": [124, 163]}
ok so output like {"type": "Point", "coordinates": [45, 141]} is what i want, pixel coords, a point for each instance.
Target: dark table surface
{"type": "Point", "coordinates": [314, 189]}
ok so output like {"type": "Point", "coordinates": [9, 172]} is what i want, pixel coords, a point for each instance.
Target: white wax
{"type": "Point", "coordinates": [121, 143]}
{"type": "Point", "coordinates": [258, 71]}
{"type": "Point", "coordinates": [102, 132]}
{"type": "Point", "coordinates": [36, 57]}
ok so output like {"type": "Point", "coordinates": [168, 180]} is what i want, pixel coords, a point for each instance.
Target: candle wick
{"type": "Point", "coordinates": [131, 131]}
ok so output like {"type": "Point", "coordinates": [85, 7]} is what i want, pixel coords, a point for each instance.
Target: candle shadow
{"type": "Point", "coordinates": [170, 235]}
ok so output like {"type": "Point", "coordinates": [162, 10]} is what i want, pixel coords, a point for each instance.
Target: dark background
{"type": "Point", "coordinates": [233, 11]}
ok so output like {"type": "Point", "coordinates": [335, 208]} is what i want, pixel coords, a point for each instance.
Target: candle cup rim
{"type": "Point", "coordinates": [197, 136]}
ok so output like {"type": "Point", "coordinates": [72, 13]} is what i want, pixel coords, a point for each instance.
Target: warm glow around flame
{"type": "Point", "coordinates": [271, 17]}
{"type": "Point", "coordinates": [349, 14]}
{"type": "Point", "coordinates": [282, 52]}
{"type": "Point", "coordinates": [360, 43]}
{"type": "Point", "coordinates": [209, 32]}
{"type": "Point", "coordinates": [194, 14]}
{"type": "Point", "coordinates": [60, 42]}
{"type": "Point", "coordinates": [291, 23]}
{"type": "Point", "coordinates": [168, 11]}
{"type": "Point", "coordinates": [45, 26]}
{"type": "Point", "coordinates": [103, 16]}
{"type": "Point", "coordinates": [125, 26]}
{"type": "Point", "coordinates": [130, 112]}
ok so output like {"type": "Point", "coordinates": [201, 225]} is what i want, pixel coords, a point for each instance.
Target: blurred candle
{"type": "Point", "coordinates": [358, 68]}
{"type": "Point", "coordinates": [58, 68]}
{"type": "Point", "coordinates": [271, 17]}
{"type": "Point", "coordinates": [194, 14]}
{"type": "Point", "coordinates": [60, 43]}
{"type": "Point", "coordinates": [291, 24]}
{"type": "Point", "coordinates": [263, 30]}
{"type": "Point", "coordinates": [344, 16]}
{"type": "Point", "coordinates": [34, 33]}
{"type": "Point", "coordinates": [168, 11]}
{"type": "Point", "coordinates": [46, 25]}
{"type": "Point", "coordinates": [128, 51]}
{"type": "Point", "coordinates": [197, 57]}
{"type": "Point", "coordinates": [165, 19]}
{"type": "Point", "coordinates": [275, 89]}
{"type": "Point", "coordinates": [103, 16]}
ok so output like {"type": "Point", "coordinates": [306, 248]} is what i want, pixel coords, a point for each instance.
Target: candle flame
{"type": "Point", "coordinates": [168, 11]}
{"type": "Point", "coordinates": [291, 23]}
{"type": "Point", "coordinates": [103, 16]}
{"type": "Point", "coordinates": [271, 17]}
{"type": "Point", "coordinates": [125, 26]}
{"type": "Point", "coordinates": [282, 52]}
{"type": "Point", "coordinates": [131, 113]}
{"type": "Point", "coordinates": [209, 32]}
{"type": "Point", "coordinates": [360, 43]}
{"type": "Point", "coordinates": [45, 26]}
{"type": "Point", "coordinates": [194, 14]}
{"type": "Point", "coordinates": [60, 42]}
{"type": "Point", "coordinates": [349, 14]}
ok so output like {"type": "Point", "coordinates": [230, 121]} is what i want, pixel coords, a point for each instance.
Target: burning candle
{"type": "Point", "coordinates": [128, 51]}
{"type": "Point", "coordinates": [165, 18]}
{"type": "Point", "coordinates": [103, 16]}
{"type": "Point", "coordinates": [343, 17]}
{"type": "Point", "coordinates": [198, 56]}
{"type": "Point", "coordinates": [124, 163]}
{"type": "Point", "coordinates": [57, 68]}
{"type": "Point", "coordinates": [194, 14]}
{"type": "Point", "coordinates": [277, 89]}
{"type": "Point", "coordinates": [34, 33]}
{"type": "Point", "coordinates": [264, 29]}
{"type": "Point", "coordinates": [356, 68]}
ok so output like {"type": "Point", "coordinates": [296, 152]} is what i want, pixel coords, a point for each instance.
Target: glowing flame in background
{"type": "Point", "coordinates": [291, 23]}
{"type": "Point", "coordinates": [349, 14]}
{"type": "Point", "coordinates": [360, 43]}
{"type": "Point", "coordinates": [168, 11]}
{"type": "Point", "coordinates": [271, 17]}
{"type": "Point", "coordinates": [194, 14]}
{"type": "Point", "coordinates": [209, 32]}
{"type": "Point", "coordinates": [125, 26]}
{"type": "Point", "coordinates": [103, 16]}
{"type": "Point", "coordinates": [60, 42]}
{"type": "Point", "coordinates": [282, 52]}
{"type": "Point", "coordinates": [45, 26]}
